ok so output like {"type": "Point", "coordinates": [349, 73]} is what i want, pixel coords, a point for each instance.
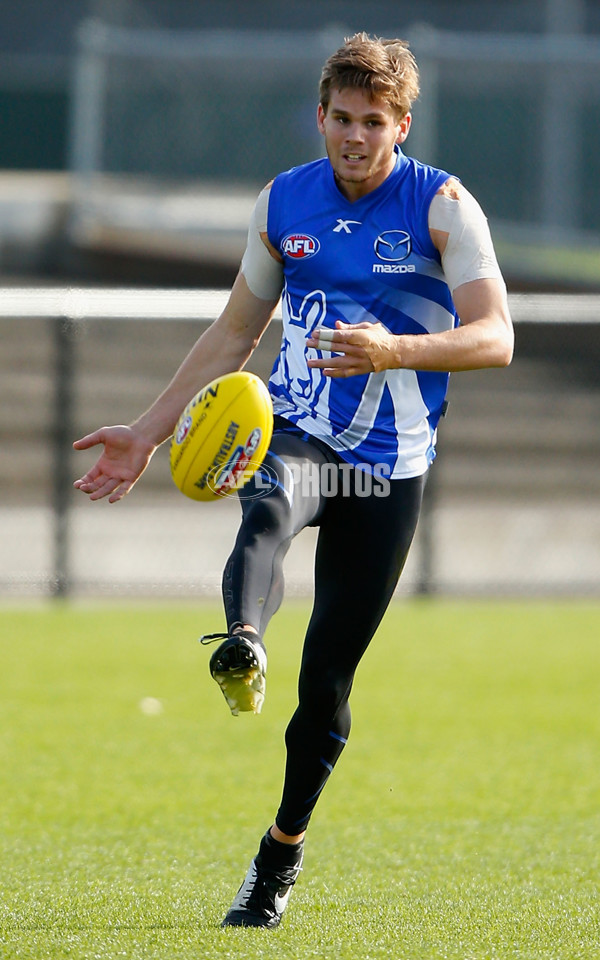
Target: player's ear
{"type": "Point", "coordinates": [403, 128]}
{"type": "Point", "coordinates": [320, 119]}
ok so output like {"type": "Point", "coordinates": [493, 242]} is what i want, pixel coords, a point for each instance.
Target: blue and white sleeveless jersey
{"type": "Point", "coordinates": [371, 260]}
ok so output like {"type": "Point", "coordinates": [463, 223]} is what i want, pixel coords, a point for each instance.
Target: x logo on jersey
{"type": "Point", "coordinates": [345, 225]}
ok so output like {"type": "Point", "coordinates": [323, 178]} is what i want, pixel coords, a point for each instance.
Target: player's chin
{"type": "Point", "coordinates": [352, 175]}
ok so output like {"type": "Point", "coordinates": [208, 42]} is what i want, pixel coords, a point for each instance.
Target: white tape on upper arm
{"type": "Point", "coordinates": [261, 209]}
{"type": "Point", "coordinates": [469, 253]}
{"type": "Point", "coordinates": [263, 274]}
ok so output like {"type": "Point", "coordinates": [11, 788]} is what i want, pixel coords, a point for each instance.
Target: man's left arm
{"type": "Point", "coordinates": [484, 337]}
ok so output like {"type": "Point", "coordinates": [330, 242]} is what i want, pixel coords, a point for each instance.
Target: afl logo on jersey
{"type": "Point", "coordinates": [300, 245]}
{"type": "Point", "coordinates": [393, 246]}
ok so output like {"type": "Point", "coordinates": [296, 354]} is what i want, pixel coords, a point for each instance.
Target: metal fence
{"type": "Point", "coordinates": [512, 503]}
{"type": "Point", "coordinates": [516, 116]}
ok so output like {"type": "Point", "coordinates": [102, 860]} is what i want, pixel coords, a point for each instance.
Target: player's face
{"type": "Point", "coordinates": [360, 134]}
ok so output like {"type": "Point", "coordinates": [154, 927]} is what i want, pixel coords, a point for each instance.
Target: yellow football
{"type": "Point", "coordinates": [222, 436]}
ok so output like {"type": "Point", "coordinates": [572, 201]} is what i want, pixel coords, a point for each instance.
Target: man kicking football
{"type": "Point", "coordinates": [389, 282]}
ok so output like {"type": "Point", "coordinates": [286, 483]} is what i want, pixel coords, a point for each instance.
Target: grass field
{"type": "Point", "coordinates": [463, 820]}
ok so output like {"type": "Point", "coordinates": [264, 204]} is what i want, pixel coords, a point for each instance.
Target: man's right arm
{"type": "Point", "coordinates": [223, 348]}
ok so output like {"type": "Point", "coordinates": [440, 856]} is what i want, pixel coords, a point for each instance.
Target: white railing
{"type": "Point", "coordinates": [546, 321]}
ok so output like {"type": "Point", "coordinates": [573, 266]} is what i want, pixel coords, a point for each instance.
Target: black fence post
{"type": "Point", "coordinates": [64, 360]}
{"type": "Point", "coordinates": [426, 584]}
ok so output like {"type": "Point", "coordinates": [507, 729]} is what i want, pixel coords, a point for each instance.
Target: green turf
{"type": "Point", "coordinates": [463, 820]}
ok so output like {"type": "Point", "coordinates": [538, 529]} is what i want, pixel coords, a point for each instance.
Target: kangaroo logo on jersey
{"type": "Point", "coordinates": [300, 245]}
{"type": "Point", "coordinates": [393, 245]}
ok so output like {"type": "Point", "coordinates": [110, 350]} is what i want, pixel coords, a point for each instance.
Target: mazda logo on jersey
{"type": "Point", "coordinates": [393, 245]}
{"type": "Point", "coordinates": [300, 245]}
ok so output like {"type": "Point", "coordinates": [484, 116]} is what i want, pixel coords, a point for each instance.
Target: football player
{"type": "Point", "coordinates": [389, 283]}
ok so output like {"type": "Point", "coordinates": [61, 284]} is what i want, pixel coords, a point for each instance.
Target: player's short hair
{"type": "Point", "coordinates": [383, 68]}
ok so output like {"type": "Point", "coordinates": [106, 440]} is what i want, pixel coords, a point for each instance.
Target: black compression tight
{"type": "Point", "coordinates": [361, 550]}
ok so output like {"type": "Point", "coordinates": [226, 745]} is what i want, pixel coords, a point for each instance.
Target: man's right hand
{"type": "Point", "coordinates": [127, 453]}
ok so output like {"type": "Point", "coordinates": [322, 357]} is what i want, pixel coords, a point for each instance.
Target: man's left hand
{"type": "Point", "coordinates": [358, 348]}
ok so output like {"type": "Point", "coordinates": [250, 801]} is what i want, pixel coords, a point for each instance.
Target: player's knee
{"type": "Point", "coordinates": [322, 692]}
{"type": "Point", "coordinates": [323, 711]}
{"type": "Point", "coordinates": [268, 515]}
